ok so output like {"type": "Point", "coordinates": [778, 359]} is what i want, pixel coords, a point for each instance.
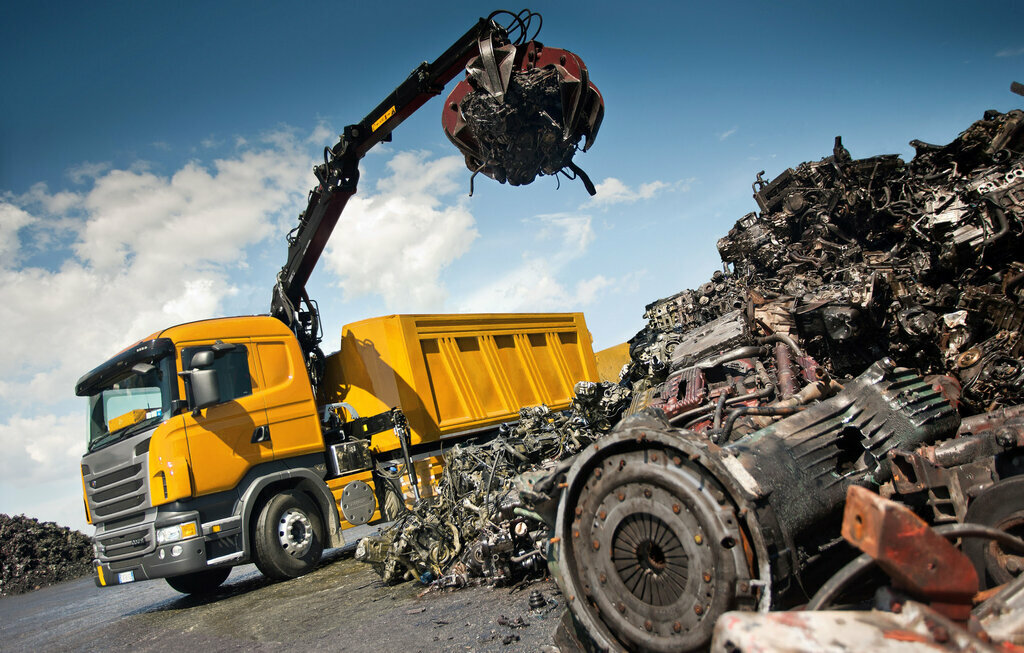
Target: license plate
{"type": "Point", "coordinates": [126, 577]}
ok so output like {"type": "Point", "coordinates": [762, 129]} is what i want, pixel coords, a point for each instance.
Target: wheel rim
{"type": "Point", "coordinates": [295, 532]}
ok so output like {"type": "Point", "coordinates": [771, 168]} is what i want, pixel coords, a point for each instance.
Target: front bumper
{"type": "Point", "coordinates": [159, 563]}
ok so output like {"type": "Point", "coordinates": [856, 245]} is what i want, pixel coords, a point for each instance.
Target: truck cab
{"type": "Point", "coordinates": [169, 483]}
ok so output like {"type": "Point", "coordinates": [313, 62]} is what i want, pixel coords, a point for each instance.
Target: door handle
{"type": "Point", "coordinates": [261, 434]}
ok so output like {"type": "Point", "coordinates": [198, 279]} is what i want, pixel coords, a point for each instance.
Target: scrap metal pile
{"type": "Point", "coordinates": [35, 554]}
{"type": "Point", "coordinates": [477, 528]}
{"type": "Point", "coordinates": [865, 331]}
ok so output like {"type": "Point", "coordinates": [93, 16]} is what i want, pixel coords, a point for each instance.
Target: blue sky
{"type": "Point", "coordinates": [152, 156]}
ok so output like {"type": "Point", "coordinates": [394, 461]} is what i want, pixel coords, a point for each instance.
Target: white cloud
{"type": "Point", "coordinates": [397, 242]}
{"type": "Point", "coordinates": [12, 220]}
{"type": "Point", "coordinates": [727, 133]}
{"type": "Point", "coordinates": [40, 449]}
{"type": "Point", "coordinates": [87, 171]}
{"type": "Point", "coordinates": [614, 191]}
{"type": "Point", "coordinates": [538, 283]}
{"type": "Point", "coordinates": [1010, 52]}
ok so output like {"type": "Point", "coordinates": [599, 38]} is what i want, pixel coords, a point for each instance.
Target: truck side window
{"type": "Point", "coordinates": [232, 371]}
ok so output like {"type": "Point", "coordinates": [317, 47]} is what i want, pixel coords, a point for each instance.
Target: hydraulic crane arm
{"type": "Point", "coordinates": [521, 112]}
{"type": "Point", "coordinates": [338, 177]}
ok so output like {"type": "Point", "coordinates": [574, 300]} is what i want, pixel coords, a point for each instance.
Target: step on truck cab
{"type": "Point", "coordinates": [208, 448]}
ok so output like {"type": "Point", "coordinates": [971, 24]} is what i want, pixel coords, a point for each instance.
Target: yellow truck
{"type": "Point", "coordinates": [271, 473]}
{"type": "Point", "coordinates": [231, 440]}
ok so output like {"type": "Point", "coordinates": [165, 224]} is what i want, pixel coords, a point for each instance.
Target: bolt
{"type": "Point", "coordinates": [602, 578]}
{"type": "Point", "coordinates": [698, 609]}
{"type": "Point", "coordinates": [1006, 437]}
{"type": "Point", "coordinates": [677, 461]}
{"type": "Point", "coordinates": [647, 492]}
{"type": "Point", "coordinates": [677, 627]}
{"type": "Point", "coordinates": [622, 496]}
{"type": "Point", "coordinates": [622, 608]}
{"type": "Point", "coordinates": [654, 457]}
{"type": "Point", "coordinates": [579, 510]}
{"type": "Point", "coordinates": [561, 60]}
{"type": "Point", "coordinates": [622, 463]}
{"type": "Point", "coordinates": [597, 545]}
{"type": "Point", "coordinates": [603, 515]}
{"type": "Point", "coordinates": [648, 625]}
{"type": "Point", "coordinates": [676, 508]}
{"type": "Point", "coordinates": [597, 472]}
{"type": "Point", "coordinates": [575, 533]}
{"type": "Point", "coordinates": [697, 538]}
{"type": "Point", "coordinates": [707, 577]}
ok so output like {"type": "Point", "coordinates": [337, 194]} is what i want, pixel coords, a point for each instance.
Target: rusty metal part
{"type": "Point", "coordinates": [658, 549]}
{"type": "Point", "coordinates": [919, 560]}
{"type": "Point", "coordinates": [1001, 506]}
{"type": "Point", "coordinates": [784, 364]}
{"type": "Point", "coordinates": [522, 111]}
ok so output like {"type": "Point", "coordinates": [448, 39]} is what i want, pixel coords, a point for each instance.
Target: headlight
{"type": "Point", "coordinates": [174, 533]}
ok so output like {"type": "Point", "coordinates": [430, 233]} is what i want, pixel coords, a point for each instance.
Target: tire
{"type": "Point", "coordinates": [289, 536]}
{"type": "Point", "coordinates": [1000, 506]}
{"type": "Point", "coordinates": [200, 582]}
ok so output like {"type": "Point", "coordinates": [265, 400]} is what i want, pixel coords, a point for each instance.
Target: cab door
{"type": "Point", "coordinates": [228, 439]}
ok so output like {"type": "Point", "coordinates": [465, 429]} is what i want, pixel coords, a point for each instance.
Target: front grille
{"type": "Point", "coordinates": [125, 544]}
{"type": "Point", "coordinates": [119, 503]}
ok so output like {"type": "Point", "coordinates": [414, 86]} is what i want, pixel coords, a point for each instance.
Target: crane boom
{"type": "Point", "coordinates": [338, 177]}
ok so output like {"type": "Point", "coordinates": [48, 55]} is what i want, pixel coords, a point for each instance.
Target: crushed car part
{"type": "Point", "coordinates": [523, 109]}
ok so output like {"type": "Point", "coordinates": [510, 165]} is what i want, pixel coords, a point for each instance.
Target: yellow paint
{"type": "Point", "coordinates": [453, 373]}
{"type": "Point", "coordinates": [169, 463]}
{"type": "Point", "coordinates": [383, 119]}
{"type": "Point", "coordinates": [126, 420]}
{"type": "Point", "coordinates": [99, 571]}
{"type": "Point", "coordinates": [610, 362]}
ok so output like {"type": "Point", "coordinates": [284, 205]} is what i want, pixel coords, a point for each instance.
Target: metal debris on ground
{"type": "Point", "coordinates": [477, 528]}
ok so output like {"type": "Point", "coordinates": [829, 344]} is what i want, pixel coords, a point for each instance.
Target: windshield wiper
{"type": "Point", "coordinates": [121, 434]}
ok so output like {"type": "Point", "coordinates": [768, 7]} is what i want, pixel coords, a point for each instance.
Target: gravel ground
{"type": "Point", "coordinates": [341, 606]}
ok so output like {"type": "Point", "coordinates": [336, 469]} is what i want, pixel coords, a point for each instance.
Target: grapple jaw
{"type": "Point", "coordinates": [522, 111]}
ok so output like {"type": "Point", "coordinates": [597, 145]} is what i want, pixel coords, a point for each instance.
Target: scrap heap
{"type": "Point", "coordinates": [865, 331]}
{"type": "Point", "coordinates": [477, 527]}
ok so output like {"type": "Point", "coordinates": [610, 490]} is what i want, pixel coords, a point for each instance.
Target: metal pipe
{"type": "Point", "coordinates": [781, 337]}
{"type": "Point", "coordinates": [784, 365]}
{"type": "Point", "coordinates": [707, 408]}
{"type": "Point", "coordinates": [736, 413]}
{"type": "Point", "coordinates": [718, 410]}
{"type": "Point", "coordinates": [740, 352]}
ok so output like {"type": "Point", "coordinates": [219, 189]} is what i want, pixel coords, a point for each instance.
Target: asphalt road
{"type": "Point", "coordinates": [341, 606]}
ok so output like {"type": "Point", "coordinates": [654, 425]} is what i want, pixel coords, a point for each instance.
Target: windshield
{"type": "Point", "coordinates": [130, 403]}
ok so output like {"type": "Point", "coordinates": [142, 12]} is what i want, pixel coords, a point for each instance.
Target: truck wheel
{"type": "Point", "coordinates": [200, 582]}
{"type": "Point", "coordinates": [289, 536]}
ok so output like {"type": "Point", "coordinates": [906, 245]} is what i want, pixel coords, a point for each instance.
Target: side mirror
{"type": "Point", "coordinates": [205, 391]}
{"type": "Point", "coordinates": [202, 359]}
